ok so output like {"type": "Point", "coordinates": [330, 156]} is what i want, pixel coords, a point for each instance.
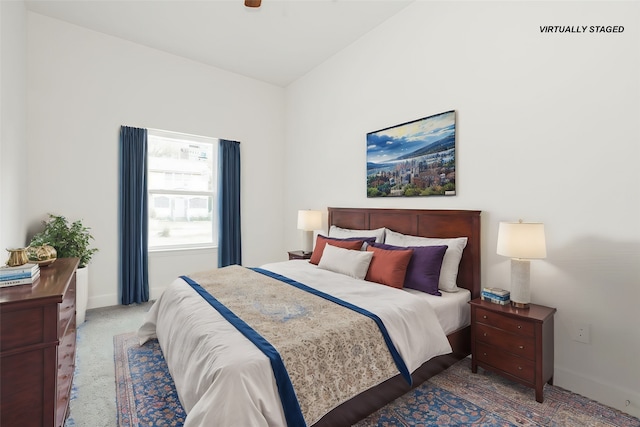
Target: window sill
{"type": "Point", "coordinates": [168, 251]}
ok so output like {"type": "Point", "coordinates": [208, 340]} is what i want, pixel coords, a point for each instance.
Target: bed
{"type": "Point", "coordinates": [192, 358]}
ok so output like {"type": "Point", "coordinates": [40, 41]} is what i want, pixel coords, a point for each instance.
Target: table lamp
{"type": "Point", "coordinates": [521, 241]}
{"type": "Point", "coordinates": [308, 221]}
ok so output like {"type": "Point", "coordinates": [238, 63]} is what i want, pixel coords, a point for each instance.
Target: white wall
{"type": "Point", "coordinates": [547, 130]}
{"type": "Point", "coordinates": [13, 129]}
{"type": "Point", "coordinates": [83, 85]}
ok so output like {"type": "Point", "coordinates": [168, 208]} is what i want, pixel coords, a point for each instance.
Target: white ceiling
{"type": "Point", "coordinates": [277, 43]}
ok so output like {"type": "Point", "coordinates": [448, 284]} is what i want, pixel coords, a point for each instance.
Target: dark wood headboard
{"type": "Point", "coordinates": [423, 223]}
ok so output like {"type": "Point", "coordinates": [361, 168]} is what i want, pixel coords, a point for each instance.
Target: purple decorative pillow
{"type": "Point", "coordinates": [423, 271]}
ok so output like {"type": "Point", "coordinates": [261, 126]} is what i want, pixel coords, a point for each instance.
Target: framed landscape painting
{"type": "Point", "coordinates": [416, 158]}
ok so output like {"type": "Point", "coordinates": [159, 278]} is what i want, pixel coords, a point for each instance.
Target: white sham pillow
{"type": "Point", "coordinates": [450, 262]}
{"type": "Point", "coordinates": [344, 233]}
{"type": "Point", "coordinates": [345, 261]}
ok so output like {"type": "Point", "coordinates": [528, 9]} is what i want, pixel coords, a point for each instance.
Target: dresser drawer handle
{"type": "Point", "coordinates": [520, 368]}
{"type": "Point", "coordinates": [521, 347]}
{"type": "Point", "coordinates": [519, 327]}
{"type": "Point", "coordinates": [484, 334]}
{"type": "Point", "coordinates": [484, 316]}
{"type": "Point", "coordinates": [484, 354]}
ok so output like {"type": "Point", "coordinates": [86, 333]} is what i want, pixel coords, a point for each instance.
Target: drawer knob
{"type": "Point", "coordinates": [485, 334]}
{"type": "Point", "coordinates": [484, 354]}
{"type": "Point", "coordinates": [520, 368]}
{"type": "Point", "coordinates": [519, 327]}
{"type": "Point", "coordinates": [484, 316]}
{"type": "Point", "coordinates": [521, 347]}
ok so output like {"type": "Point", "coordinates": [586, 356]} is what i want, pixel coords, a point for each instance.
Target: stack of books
{"type": "Point", "coordinates": [496, 295]}
{"type": "Point", "coordinates": [25, 274]}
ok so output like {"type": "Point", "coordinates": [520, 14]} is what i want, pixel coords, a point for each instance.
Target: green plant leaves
{"type": "Point", "coordinates": [71, 240]}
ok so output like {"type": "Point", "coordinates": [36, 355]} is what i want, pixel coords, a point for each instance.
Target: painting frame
{"type": "Point", "coordinates": [413, 159]}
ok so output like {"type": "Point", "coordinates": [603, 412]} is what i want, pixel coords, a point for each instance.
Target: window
{"type": "Point", "coordinates": [182, 172]}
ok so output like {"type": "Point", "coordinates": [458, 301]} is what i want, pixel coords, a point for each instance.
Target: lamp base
{"type": "Point", "coordinates": [520, 304]}
{"type": "Point", "coordinates": [307, 242]}
{"type": "Point", "coordinates": [520, 293]}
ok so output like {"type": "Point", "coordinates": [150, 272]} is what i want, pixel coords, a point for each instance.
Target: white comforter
{"type": "Point", "coordinates": [222, 379]}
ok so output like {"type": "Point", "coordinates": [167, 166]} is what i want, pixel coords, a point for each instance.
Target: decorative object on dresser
{"type": "Point", "coordinates": [17, 257]}
{"type": "Point", "coordinates": [37, 347]}
{"type": "Point", "coordinates": [70, 240]}
{"type": "Point", "coordinates": [308, 222]}
{"type": "Point", "coordinates": [515, 343]}
{"type": "Point", "coordinates": [25, 274]}
{"type": "Point", "coordinates": [42, 255]}
{"type": "Point", "coordinates": [299, 255]}
{"type": "Point", "coordinates": [521, 241]}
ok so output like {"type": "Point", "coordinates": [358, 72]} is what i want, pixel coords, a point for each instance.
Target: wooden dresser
{"type": "Point", "coordinates": [37, 347]}
{"type": "Point", "coordinates": [513, 342]}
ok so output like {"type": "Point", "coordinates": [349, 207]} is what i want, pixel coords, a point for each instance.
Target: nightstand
{"type": "Point", "coordinates": [299, 255]}
{"type": "Point", "coordinates": [514, 342]}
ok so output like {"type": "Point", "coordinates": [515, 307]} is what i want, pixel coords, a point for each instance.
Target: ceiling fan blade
{"type": "Point", "coordinates": [252, 3]}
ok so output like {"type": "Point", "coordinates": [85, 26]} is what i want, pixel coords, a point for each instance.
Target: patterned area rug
{"type": "Point", "coordinates": [146, 396]}
{"type": "Point", "coordinates": [145, 393]}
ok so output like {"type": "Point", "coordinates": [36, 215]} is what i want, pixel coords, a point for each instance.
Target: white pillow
{"type": "Point", "coordinates": [345, 261]}
{"type": "Point", "coordinates": [450, 262]}
{"type": "Point", "coordinates": [345, 233]}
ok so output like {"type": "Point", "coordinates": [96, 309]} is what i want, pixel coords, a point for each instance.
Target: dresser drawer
{"type": "Point", "coordinates": [501, 321]}
{"type": "Point", "coordinates": [67, 310]}
{"type": "Point", "coordinates": [517, 366]}
{"type": "Point", "coordinates": [20, 328]}
{"type": "Point", "coordinates": [520, 345]}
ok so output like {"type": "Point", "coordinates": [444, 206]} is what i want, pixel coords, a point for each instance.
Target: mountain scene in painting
{"type": "Point", "coordinates": [413, 159]}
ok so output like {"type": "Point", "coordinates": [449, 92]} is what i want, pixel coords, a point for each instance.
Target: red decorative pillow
{"type": "Point", "coordinates": [321, 241]}
{"type": "Point", "coordinates": [388, 267]}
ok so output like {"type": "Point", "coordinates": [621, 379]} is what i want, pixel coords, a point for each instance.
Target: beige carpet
{"type": "Point", "coordinates": [93, 397]}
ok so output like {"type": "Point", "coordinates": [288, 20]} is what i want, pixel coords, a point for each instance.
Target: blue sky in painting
{"type": "Point", "coordinates": [389, 144]}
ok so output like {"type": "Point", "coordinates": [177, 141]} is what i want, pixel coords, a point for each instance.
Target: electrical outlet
{"type": "Point", "coordinates": [582, 333]}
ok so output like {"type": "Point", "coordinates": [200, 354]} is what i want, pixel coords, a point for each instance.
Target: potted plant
{"type": "Point", "coordinates": [70, 240]}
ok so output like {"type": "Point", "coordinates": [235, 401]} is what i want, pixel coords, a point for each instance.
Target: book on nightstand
{"type": "Point", "coordinates": [496, 296]}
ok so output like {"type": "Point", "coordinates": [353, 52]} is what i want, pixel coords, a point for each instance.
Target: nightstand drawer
{"type": "Point", "coordinates": [517, 344]}
{"type": "Point", "coordinates": [503, 322]}
{"type": "Point", "coordinates": [506, 362]}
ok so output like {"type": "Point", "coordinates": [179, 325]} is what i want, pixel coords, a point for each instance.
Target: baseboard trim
{"type": "Point", "coordinates": [601, 391]}
{"type": "Point", "coordinates": [109, 300]}
{"type": "Point", "coordinates": [99, 301]}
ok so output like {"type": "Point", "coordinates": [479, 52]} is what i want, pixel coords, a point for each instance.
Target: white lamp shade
{"type": "Point", "coordinates": [524, 240]}
{"type": "Point", "coordinates": [309, 220]}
